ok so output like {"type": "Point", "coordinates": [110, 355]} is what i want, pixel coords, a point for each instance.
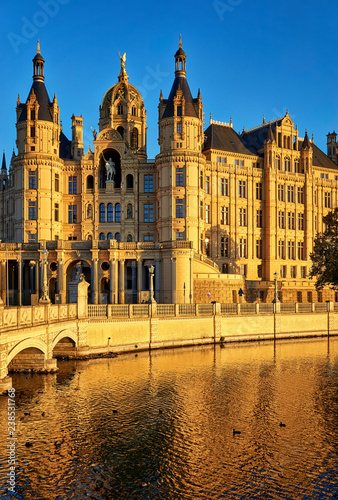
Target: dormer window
{"type": "Point", "coordinates": [32, 114]}
{"type": "Point", "coordinates": [133, 111]}
{"type": "Point", "coordinates": [179, 110]}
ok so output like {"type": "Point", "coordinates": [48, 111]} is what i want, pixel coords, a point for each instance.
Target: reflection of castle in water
{"type": "Point", "coordinates": [215, 212]}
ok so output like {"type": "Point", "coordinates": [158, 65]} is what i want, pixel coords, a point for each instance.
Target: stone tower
{"type": "Point", "coordinates": [180, 164]}
{"type": "Point", "coordinates": [37, 161]}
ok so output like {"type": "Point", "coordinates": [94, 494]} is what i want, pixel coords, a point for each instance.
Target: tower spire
{"type": "Point", "coordinates": [180, 58]}
{"type": "Point", "coordinates": [38, 65]}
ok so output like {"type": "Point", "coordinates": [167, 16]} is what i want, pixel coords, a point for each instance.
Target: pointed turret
{"type": "Point", "coordinates": [180, 90]}
{"type": "Point", "coordinates": [38, 65]}
{"type": "Point", "coordinates": [306, 142]}
{"type": "Point", "coordinates": [271, 137]}
{"type": "Point", "coordinates": [3, 166]}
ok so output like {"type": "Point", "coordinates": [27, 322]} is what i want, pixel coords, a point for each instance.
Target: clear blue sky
{"type": "Point", "coordinates": [249, 58]}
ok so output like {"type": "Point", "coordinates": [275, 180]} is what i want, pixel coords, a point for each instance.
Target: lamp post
{"type": "Point", "coordinates": [151, 289]}
{"type": "Point", "coordinates": [44, 297]}
{"type": "Point", "coordinates": [275, 298]}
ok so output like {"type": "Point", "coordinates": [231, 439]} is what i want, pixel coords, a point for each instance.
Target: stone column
{"type": "Point", "coordinates": [94, 284]}
{"type": "Point", "coordinates": [139, 279]}
{"type": "Point", "coordinates": [37, 280]}
{"type": "Point", "coordinates": [133, 279]}
{"type": "Point", "coordinates": [173, 280]}
{"type": "Point", "coordinates": [113, 273]}
{"type": "Point", "coordinates": [3, 282]}
{"type": "Point", "coordinates": [121, 281]}
{"type": "Point", "coordinates": [157, 280]}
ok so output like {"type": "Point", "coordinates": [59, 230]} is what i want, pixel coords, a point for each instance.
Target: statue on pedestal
{"type": "Point", "coordinates": [110, 169]}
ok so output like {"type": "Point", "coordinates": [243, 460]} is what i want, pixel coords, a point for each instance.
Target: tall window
{"type": "Point", "coordinates": [120, 109]}
{"type": "Point", "coordinates": [291, 250]}
{"type": "Point", "coordinates": [109, 236]}
{"type": "Point", "coordinates": [179, 176]}
{"type": "Point", "coordinates": [179, 209]}
{"type": "Point", "coordinates": [179, 128]}
{"type": "Point", "coordinates": [179, 110]}
{"type": "Point", "coordinates": [259, 218]}
{"type": "Point", "coordinates": [134, 138]}
{"type": "Point", "coordinates": [300, 250]}
{"type": "Point", "coordinates": [259, 190]}
{"type": "Point", "coordinates": [102, 216]}
{"type": "Point", "coordinates": [201, 210]}
{"type": "Point", "coordinates": [117, 213]}
{"type": "Point", "coordinates": [56, 212]}
{"type": "Point", "coordinates": [72, 214]}
{"type": "Point", "coordinates": [32, 210]}
{"type": "Point", "coordinates": [242, 247]}
{"type": "Point", "coordinates": [327, 200]}
{"type": "Point", "coordinates": [224, 246]}
{"type": "Point", "coordinates": [224, 187]}
{"type": "Point", "coordinates": [201, 180]}
{"type": "Point", "coordinates": [148, 212]}
{"type": "Point", "coordinates": [281, 220]}
{"type": "Point", "coordinates": [72, 185]}
{"type": "Point", "coordinates": [32, 179]}
{"type": "Point", "coordinates": [291, 220]}
{"type": "Point", "coordinates": [242, 217]}
{"type": "Point", "coordinates": [259, 249]}
{"type": "Point", "coordinates": [287, 165]}
{"type": "Point", "coordinates": [102, 236]}
{"type": "Point", "coordinates": [110, 213]}
{"type": "Point", "coordinates": [290, 194]}
{"type": "Point", "coordinates": [57, 182]}
{"type": "Point", "coordinates": [207, 214]}
{"type": "Point", "coordinates": [180, 235]}
{"type": "Point", "coordinates": [278, 162]}
{"type": "Point", "coordinates": [149, 183]}
{"type": "Point", "coordinates": [225, 216]}
{"type": "Point", "coordinates": [281, 249]}
{"type": "Point", "coordinates": [301, 222]}
{"type": "Point", "coordinates": [241, 189]}
{"type": "Point", "coordinates": [280, 192]}
{"type": "Point", "coordinates": [207, 185]}
{"type": "Point", "coordinates": [300, 194]}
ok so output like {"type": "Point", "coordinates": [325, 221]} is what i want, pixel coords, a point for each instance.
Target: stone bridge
{"type": "Point", "coordinates": [30, 336]}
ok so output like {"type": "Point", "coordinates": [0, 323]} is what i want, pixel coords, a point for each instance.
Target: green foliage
{"type": "Point", "coordinates": [325, 253]}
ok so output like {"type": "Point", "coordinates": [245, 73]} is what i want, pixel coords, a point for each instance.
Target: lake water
{"type": "Point", "coordinates": [160, 425]}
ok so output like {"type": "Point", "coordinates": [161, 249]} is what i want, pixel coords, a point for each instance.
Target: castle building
{"type": "Point", "coordinates": [215, 212]}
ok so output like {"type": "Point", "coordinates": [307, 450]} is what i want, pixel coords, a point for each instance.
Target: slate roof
{"type": "Point", "coordinates": [42, 97]}
{"type": "Point", "coordinates": [190, 110]}
{"type": "Point", "coordinates": [224, 139]}
{"type": "Point", "coordinates": [65, 147]}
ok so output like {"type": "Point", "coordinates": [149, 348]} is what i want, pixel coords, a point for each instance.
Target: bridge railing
{"type": "Point", "coordinates": [25, 316]}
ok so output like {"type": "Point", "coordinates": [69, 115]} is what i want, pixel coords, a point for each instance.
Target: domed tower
{"type": "Point", "coordinates": [39, 138]}
{"type": "Point", "coordinates": [180, 163]}
{"type": "Point", "coordinates": [122, 109]}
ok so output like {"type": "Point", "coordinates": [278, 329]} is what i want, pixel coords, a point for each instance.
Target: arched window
{"type": "Point", "coordinates": [121, 131]}
{"type": "Point", "coordinates": [102, 236]}
{"type": "Point", "coordinates": [117, 236]}
{"type": "Point", "coordinates": [110, 236]}
{"type": "Point", "coordinates": [133, 111]}
{"type": "Point", "coordinates": [287, 166]}
{"type": "Point", "coordinates": [110, 213]}
{"type": "Point", "coordinates": [130, 181]}
{"type": "Point", "coordinates": [120, 109]}
{"type": "Point", "coordinates": [90, 183]}
{"type": "Point", "coordinates": [134, 138]}
{"type": "Point", "coordinates": [89, 237]}
{"type": "Point", "coordinates": [278, 162]}
{"type": "Point", "coordinates": [90, 211]}
{"type": "Point", "coordinates": [118, 212]}
{"type": "Point", "coordinates": [129, 237]}
{"type": "Point", "coordinates": [129, 211]}
{"type": "Point", "coordinates": [102, 212]}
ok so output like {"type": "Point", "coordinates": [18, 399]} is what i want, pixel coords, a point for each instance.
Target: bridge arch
{"type": "Point", "coordinates": [65, 334]}
{"type": "Point", "coordinates": [27, 344]}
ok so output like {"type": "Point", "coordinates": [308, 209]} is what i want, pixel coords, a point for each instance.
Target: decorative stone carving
{"type": "Point", "coordinates": [109, 135]}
